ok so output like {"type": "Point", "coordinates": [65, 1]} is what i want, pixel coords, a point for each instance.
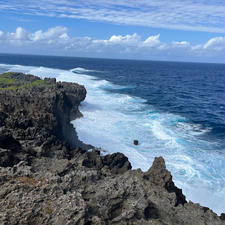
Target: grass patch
{"type": "Point", "coordinates": [10, 88]}
{"type": "Point", "coordinates": [7, 75]}
{"type": "Point", "coordinates": [9, 82]}
{"type": "Point", "coordinates": [41, 83]}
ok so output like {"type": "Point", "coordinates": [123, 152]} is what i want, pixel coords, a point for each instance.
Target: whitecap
{"type": "Point", "coordinates": [81, 70]}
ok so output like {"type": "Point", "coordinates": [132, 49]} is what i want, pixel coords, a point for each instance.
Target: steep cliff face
{"type": "Point", "coordinates": [47, 178]}
{"type": "Point", "coordinates": [36, 114]}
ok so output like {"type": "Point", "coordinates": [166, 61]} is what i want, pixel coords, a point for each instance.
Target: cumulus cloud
{"type": "Point", "coordinates": [217, 43]}
{"type": "Point", "coordinates": [152, 41]}
{"type": "Point", "coordinates": [52, 33]}
{"type": "Point", "coordinates": [56, 41]}
{"type": "Point", "coordinates": [20, 34]}
{"type": "Point", "coordinates": [127, 39]}
{"type": "Point", "coordinates": [23, 37]}
{"type": "Point", "coordinates": [201, 15]}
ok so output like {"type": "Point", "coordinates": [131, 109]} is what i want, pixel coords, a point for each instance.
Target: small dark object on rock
{"type": "Point", "coordinates": [135, 142]}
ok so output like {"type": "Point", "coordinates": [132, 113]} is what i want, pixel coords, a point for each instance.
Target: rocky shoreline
{"type": "Point", "coordinates": [48, 176]}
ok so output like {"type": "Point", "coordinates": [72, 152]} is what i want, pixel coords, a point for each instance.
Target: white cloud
{"type": "Point", "coordinates": [217, 43]}
{"type": "Point", "coordinates": [23, 37]}
{"type": "Point", "coordinates": [127, 39]}
{"type": "Point", "coordinates": [201, 15]}
{"type": "Point", "coordinates": [181, 44]}
{"type": "Point", "coordinates": [64, 36]}
{"type": "Point", "coordinates": [56, 41]}
{"type": "Point", "coordinates": [1, 33]}
{"type": "Point", "coordinates": [51, 33]}
{"type": "Point", "coordinates": [20, 34]}
{"type": "Point", "coordinates": [152, 41]}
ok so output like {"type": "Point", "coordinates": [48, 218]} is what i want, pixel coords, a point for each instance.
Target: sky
{"type": "Point", "coordinates": [176, 30]}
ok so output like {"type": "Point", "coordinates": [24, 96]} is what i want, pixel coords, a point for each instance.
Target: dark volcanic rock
{"type": "Point", "coordinates": [116, 163]}
{"type": "Point", "coordinates": [44, 180]}
{"type": "Point", "coordinates": [36, 115]}
{"type": "Point", "coordinates": [8, 142]}
{"type": "Point", "coordinates": [222, 217]}
{"type": "Point", "coordinates": [162, 178]}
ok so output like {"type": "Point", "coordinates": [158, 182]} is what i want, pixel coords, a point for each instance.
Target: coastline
{"type": "Point", "coordinates": [51, 175]}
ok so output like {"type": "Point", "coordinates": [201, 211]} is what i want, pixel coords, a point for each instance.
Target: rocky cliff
{"type": "Point", "coordinates": [47, 176]}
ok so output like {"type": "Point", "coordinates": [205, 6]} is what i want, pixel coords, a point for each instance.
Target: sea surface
{"type": "Point", "coordinates": [175, 110]}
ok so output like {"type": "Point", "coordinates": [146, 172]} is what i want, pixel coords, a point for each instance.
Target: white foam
{"type": "Point", "coordinates": [164, 134]}
{"type": "Point", "coordinates": [192, 129]}
{"type": "Point", "coordinates": [112, 121]}
{"type": "Point", "coordinates": [81, 70]}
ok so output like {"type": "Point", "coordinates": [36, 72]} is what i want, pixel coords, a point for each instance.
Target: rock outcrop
{"type": "Point", "coordinates": [35, 117]}
{"type": "Point", "coordinates": [47, 176]}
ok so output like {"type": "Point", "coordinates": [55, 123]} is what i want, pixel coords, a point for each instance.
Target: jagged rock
{"type": "Point", "coordinates": [158, 175]}
{"type": "Point", "coordinates": [8, 142]}
{"type": "Point", "coordinates": [116, 163]}
{"type": "Point", "coordinates": [222, 217]}
{"type": "Point", "coordinates": [36, 115]}
{"type": "Point", "coordinates": [6, 157]}
{"type": "Point", "coordinates": [47, 178]}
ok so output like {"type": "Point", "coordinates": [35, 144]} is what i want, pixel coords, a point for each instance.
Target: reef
{"type": "Point", "coordinates": [49, 177]}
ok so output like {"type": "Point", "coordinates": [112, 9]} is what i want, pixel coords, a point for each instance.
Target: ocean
{"type": "Point", "coordinates": [175, 110]}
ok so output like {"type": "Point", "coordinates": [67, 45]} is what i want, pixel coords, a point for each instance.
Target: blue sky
{"type": "Point", "coordinates": [184, 30]}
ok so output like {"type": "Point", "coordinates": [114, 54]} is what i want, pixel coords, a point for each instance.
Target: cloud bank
{"type": "Point", "coordinates": [56, 41]}
{"type": "Point", "coordinates": [201, 15]}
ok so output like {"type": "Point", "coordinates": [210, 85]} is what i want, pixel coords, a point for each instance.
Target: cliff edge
{"type": "Point", "coordinates": [47, 176]}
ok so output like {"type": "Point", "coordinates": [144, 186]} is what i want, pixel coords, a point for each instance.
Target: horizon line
{"type": "Point", "coordinates": [108, 58]}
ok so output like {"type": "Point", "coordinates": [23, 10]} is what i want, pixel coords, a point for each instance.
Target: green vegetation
{"type": "Point", "coordinates": [13, 81]}
{"type": "Point", "coordinates": [6, 75]}
{"type": "Point", "coordinates": [7, 80]}
{"type": "Point", "coordinates": [10, 88]}
{"type": "Point", "coordinates": [36, 83]}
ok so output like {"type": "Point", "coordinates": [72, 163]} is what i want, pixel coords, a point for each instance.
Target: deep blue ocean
{"type": "Point", "coordinates": [175, 110]}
